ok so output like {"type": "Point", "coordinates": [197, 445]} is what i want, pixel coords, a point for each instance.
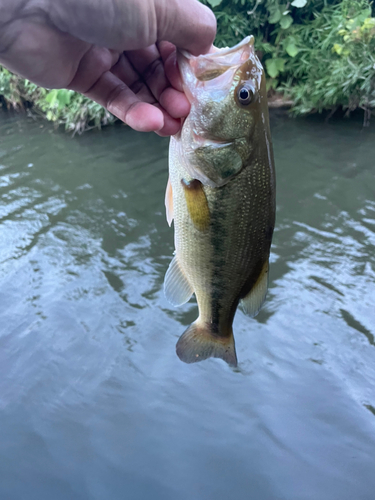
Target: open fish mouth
{"type": "Point", "coordinates": [206, 66]}
{"type": "Point", "coordinates": [213, 70]}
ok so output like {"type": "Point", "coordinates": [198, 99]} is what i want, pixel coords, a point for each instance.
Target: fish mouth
{"type": "Point", "coordinates": [208, 67]}
{"type": "Point", "coordinates": [216, 54]}
{"type": "Point", "coordinates": [226, 51]}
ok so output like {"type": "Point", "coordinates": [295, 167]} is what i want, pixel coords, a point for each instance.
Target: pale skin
{"type": "Point", "coordinates": [119, 53]}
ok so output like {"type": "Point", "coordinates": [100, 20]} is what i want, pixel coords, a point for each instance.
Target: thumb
{"type": "Point", "coordinates": [135, 24]}
{"type": "Point", "coordinates": [188, 24]}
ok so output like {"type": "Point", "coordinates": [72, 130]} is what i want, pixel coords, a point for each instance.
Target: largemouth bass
{"type": "Point", "coordinates": [221, 195]}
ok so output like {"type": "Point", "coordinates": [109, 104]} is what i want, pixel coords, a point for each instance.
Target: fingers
{"type": "Point", "coordinates": [95, 62]}
{"type": "Point", "coordinates": [188, 24]}
{"type": "Point", "coordinates": [171, 126]}
{"type": "Point", "coordinates": [127, 74]}
{"type": "Point", "coordinates": [168, 53]}
{"type": "Point", "coordinates": [111, 89]}
{"type": "Point", "coordinates": [142, 71]}
{"type": "Point", "coordinates": [149, 64]}
{"type": "Point", "coordinates": [116, 96]}
{"type": "Point", "coordinates": [133, 87]}
{"type": "Point", "coordinates": [174, 102]}
{"type": "Point", "coordinates": [113, 94]}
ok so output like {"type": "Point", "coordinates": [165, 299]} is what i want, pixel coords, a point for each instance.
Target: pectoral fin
{"type": "Point", "coordinates": [197, 204]}
{"type": "Point", "coordinates": [253, 301]}
{"type": "Point", "coordinates": [169, 202]}
{"type": "Point", "coordinates": [177, 288]}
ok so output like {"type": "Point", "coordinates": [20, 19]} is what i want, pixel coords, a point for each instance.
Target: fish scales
{"type": "Point", "coordinates": [223, 161]}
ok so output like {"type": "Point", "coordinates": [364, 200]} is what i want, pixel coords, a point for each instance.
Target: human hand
{"type": "Point", "coordinates": [120, 53]}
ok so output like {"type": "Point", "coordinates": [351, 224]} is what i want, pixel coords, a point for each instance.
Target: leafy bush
{"type": "Point", "coordinates": [64, 107]}
{"type": "Point", "coordinates": [335, 63]}
{"type": "Point", "coordinates": [320, 52]}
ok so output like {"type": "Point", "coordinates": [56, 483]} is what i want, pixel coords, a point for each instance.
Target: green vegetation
{"type": "Point", "coordinates": [319, 53]}
{"type": "Point", "coordinates": [64, 107]}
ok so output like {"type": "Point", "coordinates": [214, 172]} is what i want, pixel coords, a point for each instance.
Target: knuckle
{"type": "Point", "coordinates": [114, 95]}
{"type": "Point", "coordinates": [155, 67]}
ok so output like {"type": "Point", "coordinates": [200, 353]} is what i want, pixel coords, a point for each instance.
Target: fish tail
{"type": "Point", "coordinates": [199, 342]}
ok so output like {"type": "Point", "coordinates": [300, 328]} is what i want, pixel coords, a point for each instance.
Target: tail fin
{"type": "Point", "coordinates": [198, 343]}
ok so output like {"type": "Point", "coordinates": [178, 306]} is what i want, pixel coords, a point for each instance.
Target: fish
{"type": "Point", "coordinates": [221, 197]}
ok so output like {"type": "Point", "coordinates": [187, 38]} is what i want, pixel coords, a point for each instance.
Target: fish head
{"type": "Point", "coordinates": [227, 93]}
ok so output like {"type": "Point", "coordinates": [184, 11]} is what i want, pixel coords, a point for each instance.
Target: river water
{"type": "Point", "coordinates": [95, 404]}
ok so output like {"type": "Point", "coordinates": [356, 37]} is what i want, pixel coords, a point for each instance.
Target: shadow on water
{"type": "Point", "coordinates": [93, 400]}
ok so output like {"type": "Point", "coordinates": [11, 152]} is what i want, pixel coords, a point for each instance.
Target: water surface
{"type": "Point", "coordinates": [95, 404]}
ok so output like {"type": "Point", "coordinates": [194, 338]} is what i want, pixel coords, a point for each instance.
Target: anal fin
{"type": "Point", "coordinates": [177, 288]}
{"type": "Point", "coordinates": [253, 301]}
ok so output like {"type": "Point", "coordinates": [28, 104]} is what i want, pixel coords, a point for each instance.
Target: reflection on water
{"type": "Point", "coordinates": [94, 403]}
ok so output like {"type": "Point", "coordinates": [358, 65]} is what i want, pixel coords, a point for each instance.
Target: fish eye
{"type": "Point", "coordinates": [245, 95]}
